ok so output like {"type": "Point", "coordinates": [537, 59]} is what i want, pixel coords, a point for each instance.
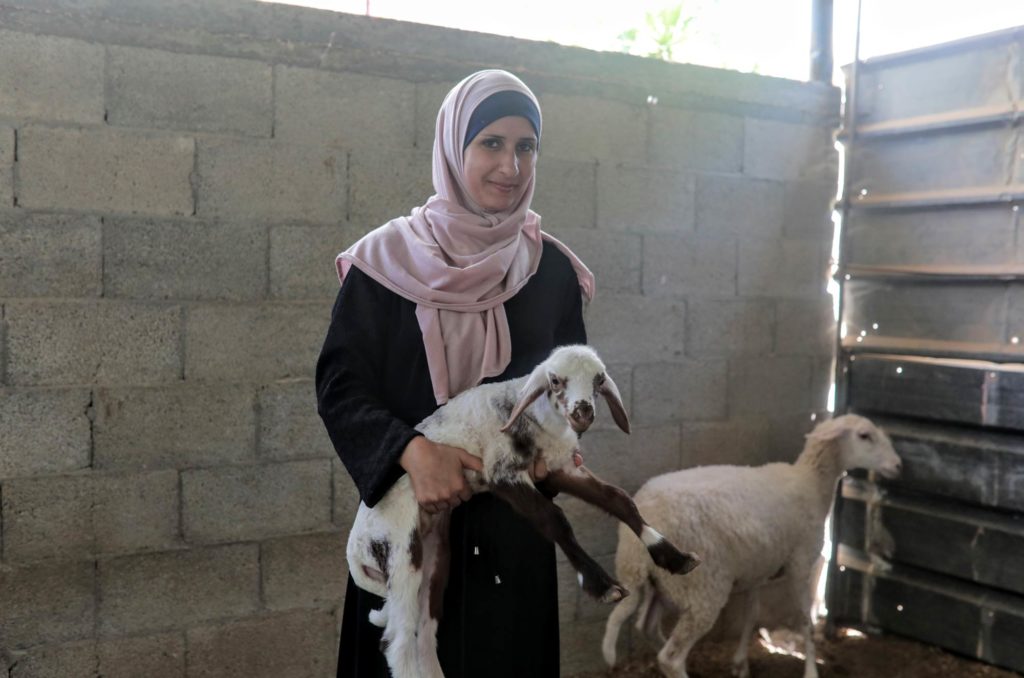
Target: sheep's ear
{"type": "Point", "coordinates": [535, 386]}
{"type": "Point", "coordinates": [828, 431]}
{"type": "Point", "coordinates": [610, 391]}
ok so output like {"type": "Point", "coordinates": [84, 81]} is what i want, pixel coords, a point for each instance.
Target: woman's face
{"type": "Point", "coordinates": [499, 163]}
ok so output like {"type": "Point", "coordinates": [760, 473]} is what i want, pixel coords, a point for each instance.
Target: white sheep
{"type": "Point", "coordinates": [751, 525]}
{"type": "Point", "coordinates": [400, 553]}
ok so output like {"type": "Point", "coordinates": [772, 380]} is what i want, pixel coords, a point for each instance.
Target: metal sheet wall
{"type": "Point", "coordinates": [932, 271]}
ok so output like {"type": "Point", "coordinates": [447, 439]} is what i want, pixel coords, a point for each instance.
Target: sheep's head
{"type": "Point", "coordinates": [571, 378]}
{"type": "Point", "coordinates": [861, 444]}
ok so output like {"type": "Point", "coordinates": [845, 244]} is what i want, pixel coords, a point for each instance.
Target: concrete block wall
{"type": "Point", "coordinates": [175, 180]}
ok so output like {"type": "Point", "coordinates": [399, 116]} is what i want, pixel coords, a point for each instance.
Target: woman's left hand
{"type": "Point", "coordinates": [538, 470]}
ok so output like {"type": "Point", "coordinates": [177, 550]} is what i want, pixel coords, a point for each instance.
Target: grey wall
{"type": "Point", "coordinates": [175, 180]}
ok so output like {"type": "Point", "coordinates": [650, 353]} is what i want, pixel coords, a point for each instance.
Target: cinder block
{"type": "Point", "coordinates": [49, 255]}
{"type": "Point", "coordinates": [385, 184]}
{"type": "Point", "coordinates": [6, 166]}
{"type": "Point", "coordinates": [579, 128]}
{"type": "Point", "coordinates": [170, 259]}
{"type": "Point", "coordinates": [616, 259]}
{"type": "Point", "coordinates": [195, 586]}
{"type": "Point", "coordinates": [710, 142]}
{"type": "Point", "coordinates": [429, 97]}
{"type": "Point", "coordinates": [47, 602]}
{"type": "Point", "coordinates": [308, 571]}
{"type": "Point", "coordinates": [101, 343]}
{"type": "Point", "coordinates": [177, 427]}
{"type": "Point", "coordinates": [43, 431]}
{"type": "Point", "coordinates": [631, 328]}
{"type": "Point", "coordinates": [106, 170]}
{"type": "Point", "coordinates": [783, 268]}
{"type": "Point", "coordinates": [152, 88]}
{"type": "Point", "coordinates": [137, 512]}
{"type": "Point", "coordinates": [346, 496]}
{"type": "Point", "coordinates": [254, 343]}
{"type": "Point", "coordinates": [822, 376]}
{"type": "Point", "coordinates": [80, 516]}
{"type": "Point", "coordinates": [269, 181]}
{"type": "Point", "coordinates": [737, 441]}
{"type": "Point", "coordinates": [807, 210]}
{"type": "Point", "coordinates": [782, 150]}
{"type": "Point", "coordinates": [739, 206]}
{"type": "Point", "coordinates": [766, 386]}
{"type": "Point", "coordinates": [297, 645]}
{"type": "Point", "coordinates": [690, 266]}
{"type": "Point", "coordinates": [629, 461]}
{"type": "Point", "coordinates": [580, 646]}
{"type": "Point", "coordinates": [47, 517]}
{"type": "Point", "coordinates": [676, 392]}
{"type": "Point", "coordinates": [289, 426]}
{"type": "Point", "coordinates": [726, 327]}
{"type": "Point", "coordinates": [806, 327]}
{"type": "Point", "coordinates": [644, 199]}
{"type": "Point", "coordinates": [252, 502]}
{"type": "Point", "coordinates": [565, 195]}
{"type": "Point", "coordinates": [595, 530]}
{"type": "Point", "coordinates": [157, 656]}
{"type": "Point", "coordinates": [330, 108]}
{"type": "Point", "coordinates": [66, 660]}
{"type": "Point", "coordinates": [302, 259]}
{"type": "Point", "coordinates": [48, 78]}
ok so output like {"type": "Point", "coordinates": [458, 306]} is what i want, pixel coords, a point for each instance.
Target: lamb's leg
{"type": "Point", "coordinates": [551, 522]}
{"type": "Point", "coordinates": [740, 659]}
{"type": "Point", "coordinates": [436, 560]}
{"type": "Point", "coordinates": [398, 641]}
{"type": "Point", "coordinates": [583, 484]}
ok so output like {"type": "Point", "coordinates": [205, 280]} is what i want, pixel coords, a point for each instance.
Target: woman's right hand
{"type": "Point", "coordinates": [436, 472]}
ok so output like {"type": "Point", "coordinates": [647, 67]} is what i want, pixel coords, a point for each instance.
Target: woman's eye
{"type": "Point", "coordinates": [526, 148]}
{"type": "Point", "coordinates": [492, 143]}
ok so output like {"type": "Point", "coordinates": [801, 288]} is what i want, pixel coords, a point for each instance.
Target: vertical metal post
{"type": "Point", "coordinates": [842, 363]}
{"type": "Point", "coordinates": [821, 40]}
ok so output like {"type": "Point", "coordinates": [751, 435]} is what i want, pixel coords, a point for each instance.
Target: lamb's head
{"type": "Point", "coordinates": [571, 378]}
{"type": "Point", "coordinates": [860, 444]}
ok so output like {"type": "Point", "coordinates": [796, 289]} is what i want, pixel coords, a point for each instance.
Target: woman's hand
{"type": "Point", "coordinates": [436, 472]}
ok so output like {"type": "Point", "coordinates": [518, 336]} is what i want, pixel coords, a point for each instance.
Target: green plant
{"type": "Point", "coordinates": [664, 31]}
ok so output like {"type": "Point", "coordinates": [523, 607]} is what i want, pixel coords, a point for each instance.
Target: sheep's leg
{"type": "Point", "coordinates": [740, 659]}
{"type": "Point", "coordinates": [695, 621]}
{"type": "Point", "coordinates": [436, 559]}
{"type": "Point", "coordinates": [551, 522]}
{"type": "Point", "coordinates": [799, 581]}
{"type": "Point", "coordinates": [585, 485]}
{"type": "Point", "coordinates": [616, 619]}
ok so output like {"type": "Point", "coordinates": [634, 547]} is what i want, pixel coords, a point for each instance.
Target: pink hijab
{"type": "Point", "coordinates": [458, 263]}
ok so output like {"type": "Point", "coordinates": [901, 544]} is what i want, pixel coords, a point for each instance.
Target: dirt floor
{"type": "Point", "coordinates": [852, 656]}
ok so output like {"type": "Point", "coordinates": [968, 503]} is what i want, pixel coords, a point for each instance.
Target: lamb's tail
{"type": "Point", "coordinates": [631, 569]}
{"type": "Point", "coordinates": [380, 617]}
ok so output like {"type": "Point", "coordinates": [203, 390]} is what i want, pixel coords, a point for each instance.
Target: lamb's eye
{"type": "Point", "coordinates": [599, 379]}
{"type": "Point", "coordinates": [556, 382]}
{"type": "Point", "coordinates": [864, 436]}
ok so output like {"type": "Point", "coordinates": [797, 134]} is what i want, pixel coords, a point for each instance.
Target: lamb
{"type": "Point", "coordinates": [751, 526]}
{"type": "Point", "coordinates": [400, 553]}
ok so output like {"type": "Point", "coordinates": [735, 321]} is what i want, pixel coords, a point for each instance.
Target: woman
{"type": "Point", "coordinates": [466, 289]}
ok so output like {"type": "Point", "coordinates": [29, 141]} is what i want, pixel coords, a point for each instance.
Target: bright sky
{"type": "Point", "coordinates": [771, 37]}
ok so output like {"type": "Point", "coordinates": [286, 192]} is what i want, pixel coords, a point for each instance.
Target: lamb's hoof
{"type": "Point", "coordinates": [614, 594]}
{"type": "Point", "coordinates": [668, 557]}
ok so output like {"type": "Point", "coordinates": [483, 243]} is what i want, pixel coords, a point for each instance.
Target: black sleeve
{"type": "Point", "coordinates": [367, 436]}
{"type": "Point", "coordinates": [571, 329]}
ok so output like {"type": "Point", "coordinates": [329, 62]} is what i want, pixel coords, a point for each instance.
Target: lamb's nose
{"type": "Point", "coordinates": [583, 413]}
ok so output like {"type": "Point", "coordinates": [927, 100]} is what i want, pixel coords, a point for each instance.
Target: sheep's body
{"type": "Point", "coordinates": [751, 525]}
{"type": "Point", "coordinates": [400, 553]}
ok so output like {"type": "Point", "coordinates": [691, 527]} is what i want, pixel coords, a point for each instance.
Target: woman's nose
{"type": "Point", "coordinates": [510, 164]}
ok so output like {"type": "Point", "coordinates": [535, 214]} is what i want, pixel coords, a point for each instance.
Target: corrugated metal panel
{"type": "Point", "coordinates": [932, 269]}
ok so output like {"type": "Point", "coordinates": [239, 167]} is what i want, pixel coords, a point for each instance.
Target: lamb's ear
{"type": "Point", "coordinates": [535, 386]}
{"type": "Point", "coordinates": [610, 391]}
